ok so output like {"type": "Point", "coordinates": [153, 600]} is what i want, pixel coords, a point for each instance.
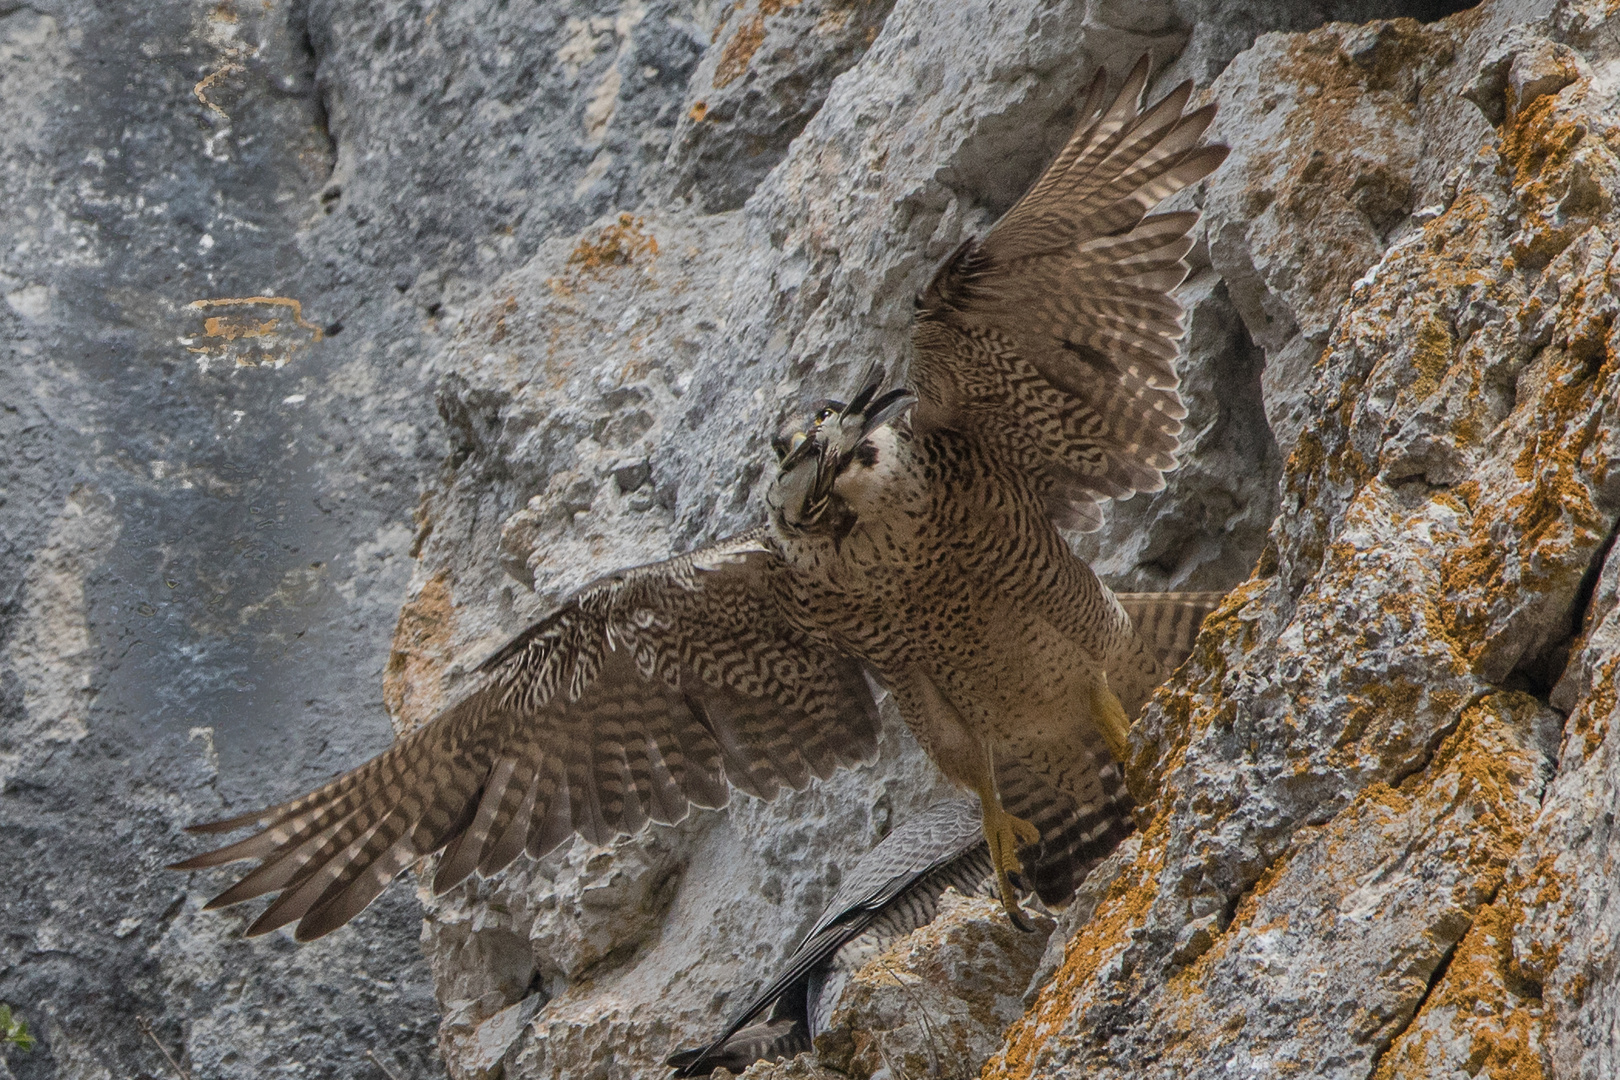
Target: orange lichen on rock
{"type": "Point", "coordinates": [619, 244]}
{"type": "Point", "coordinates": [1554, 525]}
{"type": "Point", "coordinates": [1103, 938]}
{"type": "Point", "coordinates": [413, 689]}
{"type": "Point", "coordinates": [745, 41]}
{"type": "Point", "coordinates": [1593, 716]}
{"type": "Point", "coordinates": [1482, 1018]}
{"type": "Point", "coordinates": [624, 243]}
{"type": "Point", "coordinates": [1375, 899]}
{"type": "Point", "coordinates": [221, 330]}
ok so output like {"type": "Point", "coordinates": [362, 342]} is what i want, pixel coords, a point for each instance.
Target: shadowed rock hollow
{"type": "Point", "coordinates": [615, 245]}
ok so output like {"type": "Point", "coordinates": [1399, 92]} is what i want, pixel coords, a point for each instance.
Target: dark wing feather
{"type": "Point", "coordinates": [642, 695]}
{"type": "Point", "coordinates": [933, 839]}
{"type": "Point", "coordinates": [1054, 339]}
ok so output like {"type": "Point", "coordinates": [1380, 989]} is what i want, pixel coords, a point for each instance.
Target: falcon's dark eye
{"type": "Point", "coordinates": [824, 415]}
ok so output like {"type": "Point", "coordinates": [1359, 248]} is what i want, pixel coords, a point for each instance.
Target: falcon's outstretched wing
{"type": "Point", "coordinates": [643, 694]}
{"type": "Point", "coordinates": [1053, 339]}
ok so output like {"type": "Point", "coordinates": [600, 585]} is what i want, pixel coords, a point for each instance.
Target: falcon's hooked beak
{"type": "Point", "coordinates": [808, 462]}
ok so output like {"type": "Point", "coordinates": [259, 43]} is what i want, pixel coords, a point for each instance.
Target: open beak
{"type": "Point", "coordinates": [791, 452]}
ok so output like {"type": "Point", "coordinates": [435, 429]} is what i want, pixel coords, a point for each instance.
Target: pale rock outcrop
{"type": "Point", "coordinates": [1374, 783]}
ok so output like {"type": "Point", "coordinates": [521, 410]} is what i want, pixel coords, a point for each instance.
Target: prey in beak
{"type": "Point", "coordinates": [811, 460]}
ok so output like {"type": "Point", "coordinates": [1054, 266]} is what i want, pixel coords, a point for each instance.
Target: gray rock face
{"type": "Point", "coordinates": [613, 245]}
{"type": "Point", "coordinates": [205, 512]}
{"type": "Point", "coordinates": [1374, 783]}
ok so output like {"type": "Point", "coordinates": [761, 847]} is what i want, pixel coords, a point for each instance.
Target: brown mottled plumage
{"type": "Point", "coordinates": [921, 550]}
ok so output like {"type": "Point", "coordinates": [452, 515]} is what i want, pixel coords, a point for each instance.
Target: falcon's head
{"type": "Point", "coordinates": [810, 460]}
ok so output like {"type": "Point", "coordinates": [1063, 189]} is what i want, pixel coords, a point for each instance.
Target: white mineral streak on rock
{"type": "Point", "coordinates": [50, 647]}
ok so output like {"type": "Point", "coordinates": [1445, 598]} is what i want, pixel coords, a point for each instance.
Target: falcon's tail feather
{"type": "Point", "coordinates": [1073, 838]}
{"type": "Point", "coordinates": [1168, 622]}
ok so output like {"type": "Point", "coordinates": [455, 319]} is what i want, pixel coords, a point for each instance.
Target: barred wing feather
{"type": "Point", "coordinates": [1054, 338]}
{"type": "Point", "coordinates": [648, 692]}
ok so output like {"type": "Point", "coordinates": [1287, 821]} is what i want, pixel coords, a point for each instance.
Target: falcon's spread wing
{"type": "Point", "coordinates": [894, 888]}
{"type": "Point", "coordinates": [1053, 339]}
{"type": "Point", "coordinates": [643, 694]}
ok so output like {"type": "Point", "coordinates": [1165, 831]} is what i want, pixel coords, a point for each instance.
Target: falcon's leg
{"type": "Point", "coordinates": [1110, 717]}
{"type": "Point", "coordinates": [1005, 833]}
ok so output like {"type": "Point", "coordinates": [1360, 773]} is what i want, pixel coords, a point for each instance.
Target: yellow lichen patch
{"type": "Point", "coordinates": [1478, 754]}
{"type": "Point", "coordinates": [624, 243]}
{"type": "Point", "coordinates": [619, 244]}
{"type": "Point", "coordinates": [220, 333]}
{"type": "Point", "coordinates": [1553, 522]}
{"type": "Point", "coordinates": [1538, 144]}
{"type": "Point", "coordinates": [412, 686]}
{"type": "Point", "coordinates": [745, 41]}
{"type": "Point", "coordinates": [1103, 937]}
{"type": "Point", "coordinates": [1591, 718]}
{"type": "Point", "coordinates": [1542, 889]}
{"type": "Point", "coordinates": [1481, 1000]}
{"type": "Point", "coordinates": [1431, 358]}
{"type": "Point", "coordinates": [1378, 706]}
{"type": "Point", "coordinates": [1304, 465]}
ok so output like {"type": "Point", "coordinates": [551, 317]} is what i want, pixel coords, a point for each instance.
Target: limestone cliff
{"type": "Point", "coordinates": [615, 244]}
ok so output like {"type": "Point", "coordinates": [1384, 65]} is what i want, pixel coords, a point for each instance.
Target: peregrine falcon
{"type": "Point", "coordinates": [912, 538]}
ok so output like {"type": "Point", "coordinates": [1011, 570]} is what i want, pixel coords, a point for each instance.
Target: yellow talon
{"type": "Point", "coordinates": [1005, 833]}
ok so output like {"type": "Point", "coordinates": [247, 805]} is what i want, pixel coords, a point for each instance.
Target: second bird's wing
{"type": "Point", "coordinates": [644, 694]}
{"type": "Point", "coordinates": [1054, 338]}
{"type": "Point", "coordinates": [929, 842]}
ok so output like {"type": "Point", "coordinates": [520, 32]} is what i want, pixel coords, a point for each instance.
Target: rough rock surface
{"type": "Point", "coordinates": [936, 1002]}
{"type": "Point", "coordinates": [615, 243]}
{"type": "Point", "coordinates": [1379, 801]}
